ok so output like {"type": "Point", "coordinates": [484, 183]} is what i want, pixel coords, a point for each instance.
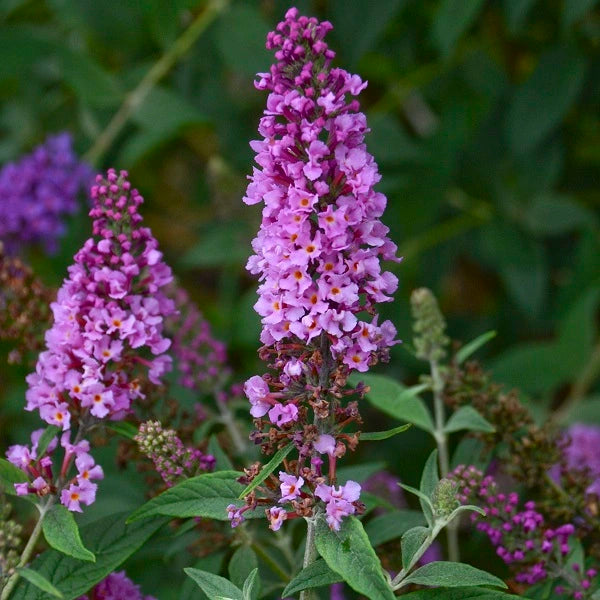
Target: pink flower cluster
{"type": "Point", "coordinates": [110, 309]}
{"type": "Point", "coordinates": [582, 452]}
{"type": "Point", "coordinates": [520, 537]}
{"type": "Point", "coordinates": [201, 359]}
{"type": "Point", "coordinates": [319, 246]}
{"type": "Point", "coordinates": [43, 480]}
{"type": "Point", "coordinates": [116, 586]}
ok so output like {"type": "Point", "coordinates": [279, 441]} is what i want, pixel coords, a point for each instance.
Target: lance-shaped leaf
{"type": "Point", "coordinates": [392, 525]}
{"type": "Point", "coordinates": [62, 533]}
{"type": "Point", "coordinates": [412, 540]}
{"type": "Point", "coordinates": [462, 593]}
{"type": "Point", "coordinates": [9, 475]}
{"type": "Point", "coordinates": [268, 469]}
{"type": "Point", "coordinates": [317, 574]}
{"type": "Point", "coordinates": [349, 553]}
{"type": "Point", "coordinates": [49, 434]}
{"type": "Point", "coordinates": [474, 345]}
{"type": "Point", "coordinates": [375, 436]}
{"type": "Point", "coordinates": [40, 582]}
{"type": "Point", "coordinates": [111, 541]}
{"type": "Point", "coordinates": [124, 428]}
{"type": "Point", "coordinates": [466, 417]}
{"type": "Point", "coordinates": [452, 574]}
{"type": "Point", "coordinates": [206, 495]}
{"type": "Point", "coordinates": [214, 586]}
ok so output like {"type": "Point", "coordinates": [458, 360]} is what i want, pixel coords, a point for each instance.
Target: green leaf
{"type": "Point", "coordinates": [515, 12]}
{"type": "Point", "coordinates": [206, 495]}
{"type": "Point", "coordinates": [268, 469]}
{"type": "Point", "coordinates": [452, 20]}
{"type": "Point", "coordinates": [466, 417]}
{"type": "Point", "coordinates": [222, 460]}
{"type": "Point", "coordinates": [464, 593]}
{"type": "Point", "coordinates": [349, 553]}
{"type": "Point", "coordinates": [242, 563]}
{"type": "Point", "coordinates": [474, 345]}
{"type": "Point", "coordinates": [553, 214]}
{"type": "Point", "coordinates": [39, 581]}
{"type": "Point", "coordinates": [574, 10]}
{"type": "Point", "coordinates": [539, 104]}
{"type": "Point", "coordinates": [214, 586]}
{"type": "Point", "coordinates": [411, 541]}
{"type": "Point", "coordinates": [392, 525]}
{"type": "Point", "coordinates": [49, 434]}
{"type": "Point", "coordinates": [375, 436]}
{"type": "Point", "coordinates": [251, 586]}
{"type": "Point", "coordinates": [111, 541]}
{"type": "Point", "coordinates": [429, 481]}
{"type": "Point", "coordinates": [425, 500]}
{"type": "Point", "coordinates": [61, 532]}
{"type": "Point", "coordinates": [470, 451]}
{"type": "Point", "coordinates": [127, 430]}
{"type": "Point", "coordinates": [317, 574]}
{"type": "Point", "coordinates": [9, 475]}
{"type": "Point", "coordinates": [360, 472]}
{"type": "Point", "coordinates": [212, 564]}
{"type": "Point", "coordinates": [452, 574]}
{"type": "Point", "coordinates": [396, 400]}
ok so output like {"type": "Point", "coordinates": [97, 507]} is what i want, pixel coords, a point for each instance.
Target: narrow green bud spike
{"type": "Point", "coordinates": [444, 498]}
{"type": "Point", "coordinates": [429, 326]}
{"type": "Point", "coordinates": [10, 541]}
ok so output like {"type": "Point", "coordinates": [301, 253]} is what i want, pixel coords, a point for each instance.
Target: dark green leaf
{"type": "Point", "coordinates": [360, 472]}
{"type": "Point", "coordinates": [452, 20]}
{"type": "Point", "coordinates": [392, 525]}
{"type": "Point", "coordinates": [374, 436]}
{"type": "Point", "coordinates": [206, 495]}
{"type": "Point", "coordinates": [49, 434]}
{"type": "Point", "coordinates": [394, 399]}
{"type": "Point", "coordinates": [61, 532]}
{"type": "Point", "coordinates": [349, 553]}
{"type": "Point", "coordinates": [214, 586]}
{"type": "Point", "coordinates": [109, 539]}
{"type": "Point", "coordinates": [9, 475]}
{"type": "Point", "coordinates": [516, 12]}
{"type": "Point", "coordinates": [39, 581]}
{"type": "Point", "coordinates": [452, 574]}
{"type": "Point", "coordinates": [553, 214]}
{"type": "Point", "coordinates": [540, 104]}
{"type": "Point", "coordinates": [412, 540]}
{"type": "Point", "coordinates": [242, 563]}
{"type": "Point", "coordinates": [430, 477]}
{"type": "Point", "coordinates": [466, 417]}
{"type": "Point", "coordinates": [468, 349]}
{"type": "Point", "coordinates": [127, 430]}
{"type": "Point", "coordinates": [315, 575]}
{"type": "Point", "coordinates": [210, 563]}
{"type": "Point", "coordinates": [461, 594]}
{"type": "Point", "coordinates": [275, 461]}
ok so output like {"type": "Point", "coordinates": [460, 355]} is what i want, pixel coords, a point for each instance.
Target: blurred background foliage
{"type": "Point", "coordinates": [485, 123]}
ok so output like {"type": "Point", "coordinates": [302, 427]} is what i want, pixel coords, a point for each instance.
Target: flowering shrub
{"type": "Point", "coordinates": [276, 487]}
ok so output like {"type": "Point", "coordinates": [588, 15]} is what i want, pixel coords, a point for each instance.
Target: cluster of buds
{"type": "Point", "coordinates": [429, 326]}
{"type": "Point", "coordinates": [24, 308]}
{"type": "Point", "coordinates": [521, 537]}
{"type": "Point", "coordinates": [37, 193]}
{"type": "Point", "coordinates": [116, 586]}
{"type": "Point", "coordinates": [110, 308]}
{"type": "Point", "coordinates": [318, 255]}
{"type": "Point", "coordinates": [172, 460]}
{"type": "Point", "coordinates": [43, 480]}
{"type": "Point", "coordinates": [10, 541]}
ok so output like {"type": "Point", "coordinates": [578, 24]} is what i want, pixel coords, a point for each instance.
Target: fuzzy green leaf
{"type": "Point", "coordinates": [466, 417]}
{"type": "Point", "coordinates": [9, 475]}
{"type": "Point", "coordinates": [49, 434]}
{"type": "Point", "coordinates": [463, 593]}
{"type": "Point", "coordinates": [214, 586]}
{"type": "Point", "coordinates": [61, 532]}
{"type": "Point", "coordinates": [452, 574]}
{"type": "Point", "coordinates": [242, 563]}
{"type": "Point", "coordinates": [349, 553]}
{"type": "Point", "coordinates": [375, 436]}
{"type": "Point", "coordinates": [315, 575]}
{"type": "Point", "coordinates": [412, 540]}
{"type": "Point", "coordinates": [206, 495]}
{"type": "Point", "coordinates": [40, 582]}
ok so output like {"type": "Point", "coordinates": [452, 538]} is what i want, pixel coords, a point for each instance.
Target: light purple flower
{"type": "Point", "coordinates": [290, 486]}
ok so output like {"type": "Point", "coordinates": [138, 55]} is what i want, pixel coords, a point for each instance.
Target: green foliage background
{"type": "Point", "coordinates": [485, 124]}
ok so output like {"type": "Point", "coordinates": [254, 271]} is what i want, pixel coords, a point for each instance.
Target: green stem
{"type": "Point", "coordinates": [28, 550]}
{"type": "Point", "coordinates": [135, 98]}
{"type": "Point", "coordinates": [310, 554]}
{"type": "Point", "coordinates": [441, 438]}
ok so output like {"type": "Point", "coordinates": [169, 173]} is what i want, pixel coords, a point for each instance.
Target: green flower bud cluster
{"type": "Point", "coordinates": [444, 498]}
{"type": "Point", "coordinates": [10, 541]}
{"type": "Point", "coordinates": [429, 326]}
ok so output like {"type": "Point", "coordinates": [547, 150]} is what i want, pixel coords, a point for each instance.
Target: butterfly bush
{"type": "Point", "coordinates": [318, 256]}
{"type": "Point", "coordinates": [116, 586]}
{"type": "Point", "coordinates": [106, 339]}
{"type": "Point", "coordinates": [582, 452]}
{"type": "Point", "coordinates": [38, 192]}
